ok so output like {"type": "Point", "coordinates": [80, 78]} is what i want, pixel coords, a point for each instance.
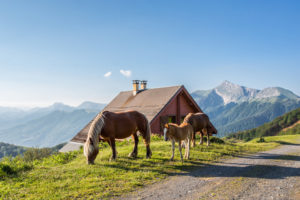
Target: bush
{"type": "Point", "coordinates": [214, 140]}
{"type": "Point", "coordinates": [61, 158]}
{"type": "Point", "coordinates": [247, 139]}
{"type": "Point", "coordinates": [11, 166]}
{"type": "Point", "coordinates": [261, 140]}
{"type": "Point", "coordinates": [6, 169]}
{"type": "Point", "coordinates": [36, 154]}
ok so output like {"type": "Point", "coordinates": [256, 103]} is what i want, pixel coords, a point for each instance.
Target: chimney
{"type": "Point", "coordinates": [143, 85]}
{"type": "Point", "coordinates": [135, 84]}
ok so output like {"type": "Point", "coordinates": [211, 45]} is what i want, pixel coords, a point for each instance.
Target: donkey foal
{"type": "Point", "coordinates": [177, 134]}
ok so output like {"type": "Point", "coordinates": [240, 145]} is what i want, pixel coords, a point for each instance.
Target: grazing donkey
{"type": "Point", "coordinates": [117, 125]}
{"type": "Point", "coordinates": [200, 122]}
{"type": "Point", "coordinates": [178, 133]}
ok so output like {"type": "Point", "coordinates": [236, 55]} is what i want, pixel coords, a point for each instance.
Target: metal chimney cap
{"type": "Point", "coordinates": [136, 81]}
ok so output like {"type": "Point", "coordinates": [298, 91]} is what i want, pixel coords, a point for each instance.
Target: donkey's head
{"type": "Point", "coordinates": [90, 150]}
{"type": "Point", "coordinates": [91, 147]}
{"type": "Point", "coordinates": [211, 129]}
{"type": "Point", "coordinates": [166, 131]}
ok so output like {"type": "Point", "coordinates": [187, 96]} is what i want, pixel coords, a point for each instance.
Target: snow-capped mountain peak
{"type": "Point", "coordinates": [231, 92]}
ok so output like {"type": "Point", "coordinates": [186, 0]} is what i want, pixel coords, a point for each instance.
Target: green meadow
{"type": "Point", "coordinates": [67, 176]}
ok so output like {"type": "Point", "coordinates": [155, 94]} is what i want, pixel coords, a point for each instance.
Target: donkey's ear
{"type": "Point", "coordinates": [91, 141]}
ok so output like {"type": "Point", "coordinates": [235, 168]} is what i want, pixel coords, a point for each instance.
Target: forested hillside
{"type": "Point", "coordinates": [10, 150]}
{"type": "Point", "coordinates": [286, 124]}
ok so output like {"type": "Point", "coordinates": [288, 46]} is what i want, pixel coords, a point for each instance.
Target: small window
{"type": "Point", "coordinates": [182, 118]}
{"type": "Point", "coordinates": [172, 119]}
{"type": "Point", "coordinates": [166, 119]}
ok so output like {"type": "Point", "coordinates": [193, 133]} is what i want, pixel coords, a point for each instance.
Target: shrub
{"type": "Point", "coordinates": [6, 169]}
{"type": "Point", "coordinates": [247, 139]}
{"type": "Point", "coordinates": [11, 166]}
{"type": "Point", "coordinates": [61, 158]}
{"type": "Point", "coordinates": [217, 140]}
{"type": "Point", "coordinates": [214, 140]}
{"type": "Point", "coordinates": [261, 140]}
{"type": "Point", "coordinates": [36, 154]}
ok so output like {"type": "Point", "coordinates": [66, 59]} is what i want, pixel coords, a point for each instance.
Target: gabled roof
{"type": "Point", "coordinates": [149, 102]}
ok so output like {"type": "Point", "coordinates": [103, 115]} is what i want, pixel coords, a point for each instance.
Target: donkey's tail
{"type": "Point", "coordinates": [148, 132]}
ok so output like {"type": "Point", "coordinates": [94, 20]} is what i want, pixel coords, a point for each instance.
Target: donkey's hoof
{"type": "Point", "coordinates": [112, 158]}
{"type": "Point", "coordinates": [148, 155]}
{"type": "Point", "coordinates": [132, 155]}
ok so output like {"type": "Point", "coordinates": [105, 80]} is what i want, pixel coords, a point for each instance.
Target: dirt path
{"type": "Point", "coordinates": [273, 174]}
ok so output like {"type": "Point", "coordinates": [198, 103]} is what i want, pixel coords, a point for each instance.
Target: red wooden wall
{"type": "Point", "coordinates": [179, 106]}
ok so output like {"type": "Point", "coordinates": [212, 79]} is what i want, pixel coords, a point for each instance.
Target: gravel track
{"type": "Point", "coordinates": [273, 174]}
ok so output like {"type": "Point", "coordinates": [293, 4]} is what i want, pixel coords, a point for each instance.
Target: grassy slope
{"type": "Point", "coordinates": [50, 180]}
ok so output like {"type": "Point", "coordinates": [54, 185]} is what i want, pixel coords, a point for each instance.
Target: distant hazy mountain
{"type": "Point", "coordinates": [234, 108]}
{"type": "Point", "coordinates": [45, 127]}
{"type": "Point", "coordinates": [91, 106]}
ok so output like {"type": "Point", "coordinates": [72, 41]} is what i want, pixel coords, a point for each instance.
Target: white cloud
{"type": "Point", "coordinates": [108, 74]}
{"type": "Point", "coordinates": [126, 73]}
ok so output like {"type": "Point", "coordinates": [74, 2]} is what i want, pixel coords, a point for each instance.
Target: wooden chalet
{"type": "Point", "coordinates": [159, 105]}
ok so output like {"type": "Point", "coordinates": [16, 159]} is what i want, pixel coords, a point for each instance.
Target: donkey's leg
{"type": "Point", "coordinates": [146, 139]}
{"type": "Point", "coordinates": [183, 144]}
{"type": "Point", "coordinates": [134, 153]}
{"type": "Point", "coordinates": [113, 148]}
{"type": "Point", "coordinates": [201, 137]}
{"type": "Point", "coordinates": [149, 152]}
{"type": "Point", "coordinates": [173, 149]}
{"type": "Point", "coordinates": [179, 146]}
{"type": "Point", "coordinates": [185, 152]}
{"type": "Point", "coordinates": [193, 139]}
{"type": "Point", "coordinates": [188, 147]}
{"type": "Point", "coordinates": [208, 142]}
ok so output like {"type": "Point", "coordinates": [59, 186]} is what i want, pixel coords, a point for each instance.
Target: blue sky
{"type": "Point", "coordinates": [59, 51]}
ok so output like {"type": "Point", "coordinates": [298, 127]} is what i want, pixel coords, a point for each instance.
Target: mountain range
{"type": "Point", "coordinates": [233, 108]}
{"type": "Point", "coordinates": [45, 127]}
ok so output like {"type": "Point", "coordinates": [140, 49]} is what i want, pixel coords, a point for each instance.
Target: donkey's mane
{"type": "Point", "coordinates": [96, 126]}
{"type": "Point", "coordinates": [186, 119]}
{"type": "Point", "coordinates": [93, 134]}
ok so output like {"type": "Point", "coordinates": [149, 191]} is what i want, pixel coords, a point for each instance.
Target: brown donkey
{"type": "Point", "coordinates": [177, 134]}
{"type": "Point", "coordinates": [201, 123]}
{"type": "Point", "coordinates": [110, 126]}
